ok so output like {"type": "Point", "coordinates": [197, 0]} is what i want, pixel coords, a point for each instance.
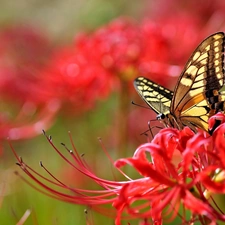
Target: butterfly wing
{"type": "Point", "coordinates": [199, 84]}
{"type": "Point", "coordinates": [156, 96]}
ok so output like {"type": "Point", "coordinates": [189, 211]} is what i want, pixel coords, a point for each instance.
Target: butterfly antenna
{"type": "Point", "coordinates": [142, 106]}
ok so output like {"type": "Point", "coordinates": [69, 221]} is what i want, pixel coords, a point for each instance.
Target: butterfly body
{"type": "Point", "coordinates": [197, 94]}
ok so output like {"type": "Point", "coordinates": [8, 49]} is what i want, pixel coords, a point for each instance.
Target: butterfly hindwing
{"type": "Point", "coordinates": [157, 97]}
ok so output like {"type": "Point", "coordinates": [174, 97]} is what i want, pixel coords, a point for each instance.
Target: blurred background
{"type": "Point", "coordinates": [69, 66]}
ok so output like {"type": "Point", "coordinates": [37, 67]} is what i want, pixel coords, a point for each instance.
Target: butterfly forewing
{"type": "Point", "coordinates": [157, 97]}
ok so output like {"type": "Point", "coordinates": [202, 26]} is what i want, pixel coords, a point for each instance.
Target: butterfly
{"type": "Point", "coordinates": [197, 94]}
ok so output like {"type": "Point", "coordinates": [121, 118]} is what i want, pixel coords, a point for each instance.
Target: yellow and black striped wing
{"type": "Point", "coordinates": [197, 90]}
{"type": "Point", "coordinates": [156, 96]}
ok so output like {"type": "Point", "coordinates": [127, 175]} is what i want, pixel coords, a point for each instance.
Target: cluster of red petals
{"type": "Point", "coordinates": [179, 170]}
{"type": "Point", "coordinates": [25, 108]}
{"type": "Point", "coordinates": [118, 46]}
{"type": "Point", "coordinates": [185, 169]}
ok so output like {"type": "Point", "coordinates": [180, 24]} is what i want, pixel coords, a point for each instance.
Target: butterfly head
{"type": "Point", "coordinates": [164, 119]}
{"type": "Point", "coordinates": [168, 120]}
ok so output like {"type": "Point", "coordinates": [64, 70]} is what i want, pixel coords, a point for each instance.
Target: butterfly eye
{"type": "Point", "coordinates": [161, 116]}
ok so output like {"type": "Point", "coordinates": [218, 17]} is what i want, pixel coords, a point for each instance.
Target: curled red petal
{"type": "Point", "coordinates": [213, 179]}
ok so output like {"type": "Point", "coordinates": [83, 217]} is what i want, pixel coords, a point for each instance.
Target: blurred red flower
{"type": "Point", "coordinates": [76, 81]}
{"type": "Point", "coordinates": [24, 51]}
{"type": "Point", "coordinates": [206, 13]}
{"type": "Point", "coordinates": [25, 109]}
{"type": "Point", "coordinates": [124, 47]}
{"type": "Point", "coordinates": [185, 23]}
{"type": "Point", "coordinates": [177, 169]}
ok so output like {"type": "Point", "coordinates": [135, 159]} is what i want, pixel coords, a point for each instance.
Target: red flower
{"type": "Point", "coordinates": [118, 46]}
{"type": "Point", "coordinates": [166, 182]}
{"type": "Point", "coordinates": [76, 81]}
{"type": "Point", "coordinates": [167, 185]}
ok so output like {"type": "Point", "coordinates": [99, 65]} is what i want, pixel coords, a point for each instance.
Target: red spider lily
{"type": "Point", "coordinates": [126, 49]}
{"type": "Point", "coordinates": [25, 108]}
{"type": "Point", "coordinates": [118, 46]}
{"type": "Point", "coordinates": [168, 186]}
{"type": "Point", "coordinates": [76, 81]}
{"type": "Point", "coordinates": [199, 171]}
